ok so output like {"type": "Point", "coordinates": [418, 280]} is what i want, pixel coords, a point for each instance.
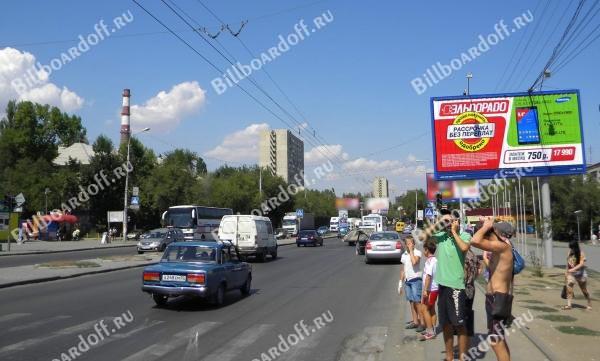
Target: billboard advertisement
{"type": "Point", "coordinates": [378, 205]}
{"type": "Point", "coordinates": [480, 136]}
{"type": "Point", "coordinates": [451, 190]}
{"type": "Point", "coordinates": [347, 203]}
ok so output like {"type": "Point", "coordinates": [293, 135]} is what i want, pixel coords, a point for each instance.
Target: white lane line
{"type": "Point", "coordinates": [238, 343]}
{"type": "Point", "coordinates": [120, 336]}
{"type": "Point", "coordinates": [294, 352]}
{"type": "Point", "coordinates": [37, 323]}
{"type": "Point", "coordinates": [178, 340]}
{"type": "Point", "coordinates": [13, 316]}
{"type": "Point", "coordinates": [32, 342]}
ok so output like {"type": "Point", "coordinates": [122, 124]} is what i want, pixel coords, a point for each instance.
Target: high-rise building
{"type": "Point", "coordinates": [380, 187]}
{"type": "Point", "coordinates": [282, 153]}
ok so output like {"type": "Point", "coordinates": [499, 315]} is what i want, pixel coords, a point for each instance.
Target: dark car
{"type": "Point", "coordinates": [342, 232]}
{"type": "Point", "coordinates": [309, 237]}
{"type": "Point", "coordinates": [206, 270]}
{"type": "Point", "coordinates": [158, 239]}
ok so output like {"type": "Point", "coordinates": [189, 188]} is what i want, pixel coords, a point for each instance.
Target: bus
{"type": "Point", "coordinates": [374, 222]}
{"type": "Point", "coordinates": [196, 222]}
{"type": "Point", "coordinates": [334, 223]}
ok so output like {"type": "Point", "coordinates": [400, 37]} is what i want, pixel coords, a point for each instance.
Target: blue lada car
{"type": "Point", "coordinates": [200, 269]}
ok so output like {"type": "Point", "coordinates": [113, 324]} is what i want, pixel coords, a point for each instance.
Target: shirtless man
{"type": "Point", "coordinates": [495, 238]}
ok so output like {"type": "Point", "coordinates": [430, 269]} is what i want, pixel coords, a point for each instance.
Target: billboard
{"type": "Point", "coordinates": [479, 136]}
{"type": "Point", "coordinates": [378, 205]}
{"type": "Point", "coordinates": [451, 190]}
{"type": "Point", "coordinates": [347, 203]}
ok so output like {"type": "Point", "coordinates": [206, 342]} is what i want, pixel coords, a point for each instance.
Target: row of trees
{"type": "Point", "coordinates": [31, 133]}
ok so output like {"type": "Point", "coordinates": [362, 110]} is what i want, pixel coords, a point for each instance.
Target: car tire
{"type": "Point", "coordinates": [247, 287]}
{"type": "Point", "coordinates": [260, 257]}
{"type": "Point", "coordinates": [160, 300]}
{"type": "Point", "coordinates": [367, 260]}
{"type": "Point", "coordinates": [162, 248]}
{"type": "Point", "coordinates": [351, 243]}
{"type": "Point", "coordinates": [140, 252]}
{"type": "Point", "coordinates": [274, 254]}
{"type": "Point", "coordinates": [219, 296]}
{"type": "Point", "coordinates": [298, 244]}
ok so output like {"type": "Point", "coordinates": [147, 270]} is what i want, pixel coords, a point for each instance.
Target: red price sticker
{"type": "Point", "coordinates": [563, 153]}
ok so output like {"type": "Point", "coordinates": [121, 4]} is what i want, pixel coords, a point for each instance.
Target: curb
{"type": "Point", "coordinates": [57, 278]}
{"type": "Point", "coordinates": [6, 253]}
{"type": "Point", "coordinates": [533, 339]}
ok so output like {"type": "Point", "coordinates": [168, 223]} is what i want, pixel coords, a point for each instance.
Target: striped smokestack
{"type": "Point", "coordinates": [125, 130]}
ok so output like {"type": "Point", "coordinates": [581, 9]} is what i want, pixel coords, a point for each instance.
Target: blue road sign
{"type": "Point", "coordinates": [299, 212]}
{"type": "Point", "coordinates": [429, 212]}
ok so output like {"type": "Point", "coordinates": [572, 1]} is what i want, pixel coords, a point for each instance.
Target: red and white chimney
{"type": "Point", "coordinates": [125, 130]}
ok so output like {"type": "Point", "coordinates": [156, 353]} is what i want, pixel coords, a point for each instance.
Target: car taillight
{"type": "Point", "coordinates": [151, 276]}
{"type": "Point", "coordinates": [368, 246]}
{"type": "Point", "coordinates": [398, 245]}
{"type": "Point", "coordinates": [311, 237]}
{"type": "Point", "coordinates": [196, 278]}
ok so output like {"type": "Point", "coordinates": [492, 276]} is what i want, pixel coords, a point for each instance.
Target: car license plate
{"type": "Point", "coordinates": [383, 246]}
{"type": "Point", "coordinates": [304, 238]}
{"type": "Point", "coordinates": [178, 278]}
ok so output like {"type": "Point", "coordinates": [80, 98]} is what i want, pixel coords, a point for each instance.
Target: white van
{"type": "Point", "coordinates": [252, 234]}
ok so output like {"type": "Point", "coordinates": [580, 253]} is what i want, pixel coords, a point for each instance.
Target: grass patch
{"type": "Point", "coordinates": [578, 330]}
{"type": "Point", "coordinates": [69, 264]}
{"type": "Point", "coordinates": [542, 308]}
{"type": "Point", "coordinates": [558, 318]}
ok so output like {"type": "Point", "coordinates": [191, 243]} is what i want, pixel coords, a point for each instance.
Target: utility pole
{"type": "Point", "coordinates": [547, 222]}
{"type": "Point", "coordinates": [125, 203]}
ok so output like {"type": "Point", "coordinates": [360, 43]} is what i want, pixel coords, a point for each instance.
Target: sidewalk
{"type": "Point", "coordinates": [39, 247]}
{"type": "Point", "coordinates": [56, 270]}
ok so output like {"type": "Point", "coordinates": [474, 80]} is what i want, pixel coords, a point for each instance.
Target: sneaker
{"type": "Point", "coordinates": [420, 329]}
{"type": "Point", "coordinates": [411, 326]}
{"type": "Point", "coordinates": [427, 336]}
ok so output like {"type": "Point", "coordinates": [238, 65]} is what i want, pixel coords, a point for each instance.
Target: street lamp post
{"type": "Point", "coordinates": [577, 213]}
{"type": "Point", "coordinates": [127, 184]}
{"type": "Point", "coordinates": [46, 191]}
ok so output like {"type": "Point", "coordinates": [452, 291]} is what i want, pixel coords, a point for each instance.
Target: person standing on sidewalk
{"type": "Point", "coordinates": [410, 276]}
{"type": "Point", "coordinates": [430, 291]}
{"type": "Point", "coordinates": [450, 277]}
{"type": "Point", "coordinates": [495, 238]}
{"type": "Point", "coordinates": [576, 273]}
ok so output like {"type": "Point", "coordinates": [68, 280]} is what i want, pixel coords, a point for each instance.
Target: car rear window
{"type": "Point", "coordinates": [383, 236]}
{"type": "Point", "coordinates": [190, 254]}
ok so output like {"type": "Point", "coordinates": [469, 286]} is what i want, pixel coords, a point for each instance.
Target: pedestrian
{"type": "Point", "coordinates": [430, 291]}
{"type": "Point", "coordinates": [495, 238]}
{"type": "Point", "coordinates": [472, 269]}
{"type": "Point", "coordinates": [410, 276]}
{"type": "Point", "coordinates": [576, 272]}
{"type": "Point", "coordinates": [450, 277]}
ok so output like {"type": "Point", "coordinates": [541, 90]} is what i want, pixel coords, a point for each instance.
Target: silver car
{"type": "Point", "coordinates": [158, 239]}
{"type": "Point", "coordinates": [383, 246]}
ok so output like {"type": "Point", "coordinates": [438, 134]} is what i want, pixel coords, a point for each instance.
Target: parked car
{"type": "Point", "coordinates": [158, 239]}
{"type": "Point", "coordinates": [383, 245]}
{"type": "Point", "coordinates": [309, 237]}
{"type": "Point", "coordinates": [322, 230]}
{"type": "Point", "coordinates": [253, 235]}
{"type": "Point", "coordinates": [206, 270]}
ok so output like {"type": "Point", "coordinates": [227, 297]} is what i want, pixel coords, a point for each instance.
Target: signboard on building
{"type": "Point", "coordinates": [451, 191]}
{"type": "Point", "coordinates": [478, 137]}
{"type": "Point", "coordinates": [115, 216]}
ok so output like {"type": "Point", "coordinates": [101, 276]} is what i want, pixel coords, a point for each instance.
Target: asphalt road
{"type": "Point", "coordinates": [30, 259]}
{"type": "Point", "coordinates": [357, 303]}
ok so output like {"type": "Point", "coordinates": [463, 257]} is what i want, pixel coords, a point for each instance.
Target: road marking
{"type": "Point", "coordinates": [13, 316]}
{"type": "Point", "coordinates": [178, 340]}
{"type": "Point", "coordinates": [239, 342]}
{"type": "Point", "coordinates": [120, 336]}
{"type": "Point", "coordinates": [37, 323]}
{"type": "Point", "coordinates": [32, 342]}
{"type": "Point", "coordinates": [296, 352]}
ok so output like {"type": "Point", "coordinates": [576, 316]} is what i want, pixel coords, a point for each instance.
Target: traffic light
{"type": "Point", "coordinates": [438, 200]}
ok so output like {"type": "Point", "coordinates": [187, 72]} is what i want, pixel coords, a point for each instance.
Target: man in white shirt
{"type": "Point", "coordinates": [410, 276]}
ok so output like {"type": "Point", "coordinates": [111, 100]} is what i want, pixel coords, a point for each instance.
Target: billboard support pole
{"type": "Point", "coordinates": [547, 219]}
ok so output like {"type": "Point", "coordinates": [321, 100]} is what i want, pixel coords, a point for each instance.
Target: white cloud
{"type": "Point", "coordinates": [323, 153]}
{"type": "Point", "coordinates": [367, 165]}
{"type": "Point", "coordinates": [16, 68]}
{"type": "Point", "coordinates": [240, 146]}
{"type": "Point", "coordinates": [166, 110]}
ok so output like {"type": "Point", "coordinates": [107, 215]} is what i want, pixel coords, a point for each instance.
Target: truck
{"type": "Point", "coordinates": [334, 223]}
{"type": "Point", "coordinates": [292, 224]}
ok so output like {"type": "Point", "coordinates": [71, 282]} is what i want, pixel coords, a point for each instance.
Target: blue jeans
{"type": "Point", "coordinates": [413, 289]}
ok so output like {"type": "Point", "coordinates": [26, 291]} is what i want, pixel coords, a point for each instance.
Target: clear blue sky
{"type": "Point", "coordinates": [351, 78]}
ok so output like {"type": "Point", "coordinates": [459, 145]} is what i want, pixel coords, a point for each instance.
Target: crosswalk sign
{"type": "Point", "coordinates": [429, 213]}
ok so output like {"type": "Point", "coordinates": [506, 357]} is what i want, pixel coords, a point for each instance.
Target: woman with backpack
{"type": "Point", "coordinates": [575, 272]}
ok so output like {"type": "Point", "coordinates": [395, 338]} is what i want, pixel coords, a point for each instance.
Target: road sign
{"type": "Point", "coordinates": [114, 216]}
{"type": "Point", "coordinates": [20, 199]}
{"type": "Point", "coordinates": [135, 191]}
{"type": "Point", "coordinates": [429, 213]}
{"type": "Point", "coordinates": [299, 212]}
{"type": "Point", "coordinates": [135, 201]}
{"type": "Point", "coordinates": [420, 214]}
